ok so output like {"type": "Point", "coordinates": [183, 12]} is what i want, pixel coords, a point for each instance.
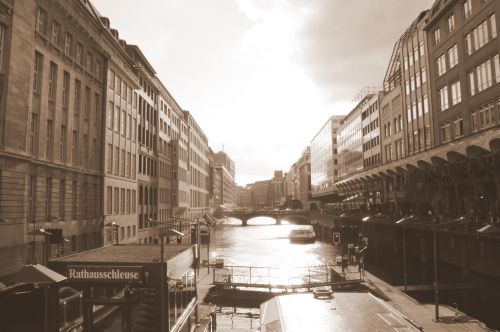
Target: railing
{"type": "Point", "coordinates": [287, 278]}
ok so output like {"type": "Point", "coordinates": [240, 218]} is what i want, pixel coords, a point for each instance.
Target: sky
{"type": "Point", "coordinates": [261, 77]}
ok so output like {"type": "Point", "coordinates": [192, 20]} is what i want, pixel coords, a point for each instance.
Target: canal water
{"type": "Point", "coordinates": [261, 243]}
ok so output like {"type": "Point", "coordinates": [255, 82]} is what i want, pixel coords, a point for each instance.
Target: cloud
{"type": "Point", "coordinates": [346, 45]}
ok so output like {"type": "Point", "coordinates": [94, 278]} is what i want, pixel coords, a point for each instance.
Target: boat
{"type": "Point", "coordinates": [303, 234]}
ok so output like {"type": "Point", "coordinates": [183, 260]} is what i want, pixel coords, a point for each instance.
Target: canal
{"type": "Point", "coordinates": [261, 243]}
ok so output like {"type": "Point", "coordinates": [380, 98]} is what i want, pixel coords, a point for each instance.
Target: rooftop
{"type": "Point", "coordinates": [125, 253]}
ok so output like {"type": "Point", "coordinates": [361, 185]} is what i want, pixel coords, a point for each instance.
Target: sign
{"type": "Point", "coordinates": [336, 239]}
{"type": "Point", "coordinates": [105, 274]}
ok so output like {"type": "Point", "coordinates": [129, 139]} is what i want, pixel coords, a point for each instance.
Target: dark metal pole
{"type": "Point", "coordinates": [436, 289]}
{"type": "Point", "coordinates": [405, 272]}
{"type": "Point", "coordinates": [208, 249]}
{"type": "Point", "coordinates": [162, 285]}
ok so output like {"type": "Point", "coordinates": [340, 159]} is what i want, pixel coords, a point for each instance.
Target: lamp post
{"type": "Point", "coordinates": [405, 271]}
{"type": "Point", "coordinates": [163, 232]}
{"type": "Point", "coordinates": [436, 289]}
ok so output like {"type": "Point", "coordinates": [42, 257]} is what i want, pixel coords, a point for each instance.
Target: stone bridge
{"type": "Point", "coordinates": [278, 216]}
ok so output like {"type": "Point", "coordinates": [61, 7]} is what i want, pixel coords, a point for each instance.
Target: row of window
{"type": "Point", "coordinates": [124, 233]}
{"type": "Point", "coordinates": [447, 60]}
{"type": "Point", "coordinates": [121, 162]}
{"type": "Point", "coordinates": [147, 166]}
{"type": "Point", "coordinates": [484, 117]}
{"type": "Point", "coordinates": [72, 49]}
{"type": "Point", "coordinates": [417, 109]}
{"type": "Point", "coordinates": [484, 75]}
{"type": "Point", "coordinates": [415, 81]}
{"type": "Point", "coordinates": [413, 55]}
{"type": "Point", "coordinates": [371, 126]}
{"type": "Point", "coordinates": [452, 129]}
{"type": "Point", "coordinates": [444, 95]}
{"type": "Point", "coordinates": [375, 141]}
{"type": "Point", "coordinates": [120, 87]}
{"type": "Point", "coordinates": [120, 201]}
{"type": "Point", "coordinates": [481, 35]}
{"type": "Point", "coordinates": [398, 150]}
{"type": "Point", "coordinates": [372, 161]}
{"type": "Point", "coordinates": [419, 140]}
{"type": "Point", "coordinates": [466, 12]}
{"type": "Point", "coordinates": [121, 122]}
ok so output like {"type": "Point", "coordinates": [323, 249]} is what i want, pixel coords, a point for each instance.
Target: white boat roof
{"type": "Point", "coordinates": [346, 312]}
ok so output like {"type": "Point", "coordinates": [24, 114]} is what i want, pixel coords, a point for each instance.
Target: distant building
{"type": "Point", "coordinates": [324, 161]}
{"type": "Point", "coordinates": [225, 169]}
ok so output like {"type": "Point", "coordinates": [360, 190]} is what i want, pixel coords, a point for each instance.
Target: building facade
{"type": "Point", "coordinates": [324, 160]}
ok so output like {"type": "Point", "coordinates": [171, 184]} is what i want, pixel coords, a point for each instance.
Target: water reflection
{"type": "Point", "coordinates": [263, 243]}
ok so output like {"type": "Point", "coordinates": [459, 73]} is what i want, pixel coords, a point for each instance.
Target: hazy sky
{"type": "Point", "coordinates": [261, 77]}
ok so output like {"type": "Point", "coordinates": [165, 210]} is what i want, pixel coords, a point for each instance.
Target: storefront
{"type": "Point", "coordinates": [127, 278]}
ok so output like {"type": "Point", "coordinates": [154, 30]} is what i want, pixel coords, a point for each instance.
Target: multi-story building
{"type": "Point", "coordinates": [52, 86]}
{"type": "Point", "coordinates": [147, 149]}
{"type": "Point", "coordinates": [465, 67]}
{"type": "Point", "coordinates": [370, 122]}
{"type": "Point", "coordinates": [324, 161]}
{"type": "Point", "coordinates": [120, 145]}
{"type": "Point", "coordinates": [304, 178]}
{"type": "Point", "coordinates": [225, 169]}
{"type": "Point", "coordinates": [417, 120]}
{"type": "Point", "coordinates": [276, 190]}
{"type": "Point", "coordinates": [198, 168]}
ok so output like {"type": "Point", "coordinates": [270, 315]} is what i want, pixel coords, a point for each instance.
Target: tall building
{"type": "Point", "coordinates": [324, 161]}
{"type": "Point", "coordinates": [120, 146]}
{"type": "Point", "coordinates": [417, 120]}
{"type": "Point", "coordinates": [304, 178]}
{"type": "Point", "coordinates": [198, 168]}
{"type": "Point", "coordinates": [465, 67]}
{"type": "Point", "coordinates": [225, 169]}
{"type": "Point", "coordinates": [52, 86]}
{"type": "Point", "coordinates": [370, 122]}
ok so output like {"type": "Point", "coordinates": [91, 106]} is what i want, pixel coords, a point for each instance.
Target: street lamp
{"type": "Point", "coordinates": [163, 232]}
{"type": "Point", "coordinates": [436, 290]}
{"type": "Point", "coordinates": [405, 273]}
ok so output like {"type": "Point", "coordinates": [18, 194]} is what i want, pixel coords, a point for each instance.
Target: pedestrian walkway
{"type": "Point", "coordinates": [422, 315]}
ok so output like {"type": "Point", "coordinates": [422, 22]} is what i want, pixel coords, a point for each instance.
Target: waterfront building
{"type": "Point", "coordinates": [465, 68]}
{"type": "Point", "coordinates": [304, 178]}
{"type": "Point", "coordinates": [147, 139]}
{"type": "Point", "coordinates": [417, 99]}
{"type": "Point", "coordinates": [371, 132]}
{"type": "Point", "coordinates": [120, 145]}
{"type": "Point", "coordinates": [198, 168]}
{"type": "Point", "coordinates": [52, 91]}
{"type": "Point", "coordinates": [276, 190]}
{"type": "Point", "coordinates": [324, 162]}
{"type": "Point", "coordinates": [225, 170]}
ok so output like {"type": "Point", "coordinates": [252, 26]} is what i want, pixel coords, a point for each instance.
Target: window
{"type": "Point", "coordinates": [445, 132]}
{"type": "Point", "coordinates": [493, 25]}
{"type": "Point", "coordinates": [97, 107]}
{"type": "Point", "coordinates": [472, 84]}
{"type": "Point", "coordinates": [425, 104]}
{"type": "Point", "coordinates": [41, 19]}
{"type": "Point", "coordinates": [467, 8]}
{"type": "Point", "coordinates": [109, 200]}
{"type": "Point", "coordinates": [437, 36]}
{"type": "Point", "coordinates": [456, 94]}
{"type": "Point", "coordinates": [68, 42]}
{"type": "Point", "coordinates": [484, 76]}
{"type": "Point", "coordinates": [116, 160]}
{"type": "Point", "coordinates": [63, 144]}
{"type": "Point", "coordinates": [421, 47]}
{"type": "Point", "coordinates": [85, 150]}
{"type": "Point", "coordinates": [90, 60]}
{"type": "Point", "coordinates": [441, 65]}
{"type": "Point", "coordinates": [52, 82]}
{"type": "Point", "coordinates": [122, 201]}
{"type": "Point", "coordinates": [116, 200]}
{"type": "Point", "coordinates": [407, 87]}
{"type": "Point", "coordinates": [496, 64]}
{"type": "Point", "coordinates": [388, 153]}
{"type": "Point", "coordinates": [468, 44]}
{"type": "Point", "coordinates": [65, 92]}
{"type": "Point", "coordinates": [458, 127]}
{"type": "Point", "coordinates": [37, 72]}
{"type": "Point", "coordinates": [129, 162]}
{"type": "Point", "coordinates": [451, 23]}
{"type": "Point", "coordinates": [453, 56]}
{"type": "Point", "coordinates": [74, 148]}
{"type": "Point", "coordinates": [49, 140]}
{"type": "Point", "coordinates": [133, 202]}
{"type": "Point", "coordinates": [109, 167]}
{"type": "Point", "coordinates": [56, 31]}
{"type": "Point", "coordinates": [79, 54]}
{"type": "Point", "coordinates": [122, 123]}
{"type": "Point", "coordinates": [109, 113]}
{"type": "Point", "coordinates": [33, 133]}
{"type": "Point", "coordinates": [127, 202]}
{"type": "Point", "coordinates": [74, 199]}
{"type": "Point", "coordinates": [98, 69]}
{"type": "Point", "coordinates": [417, 79]}
{"type": "Point", "coordinates": [122, 163]}
{"type": "Point", "coordinates": [443, 98]}
{"type": "Point", "coordinates": [62, 198]}
{"type": "Point", "coordinates": [424, 76]}
{"type": "Point", "coordinates": [117, 118]}
{"type": "Point", "coordinates": [481, 35]}
{"type": "Point", "coordinates": [77, 97]}
{"type": "Point", "coordinates": [133, 166]}
{"type": "Point", "coordinates": [86, 105]}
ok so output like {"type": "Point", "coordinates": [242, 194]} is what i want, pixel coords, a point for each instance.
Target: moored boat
{"type": "Point", "coordinates": [303, 234]}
